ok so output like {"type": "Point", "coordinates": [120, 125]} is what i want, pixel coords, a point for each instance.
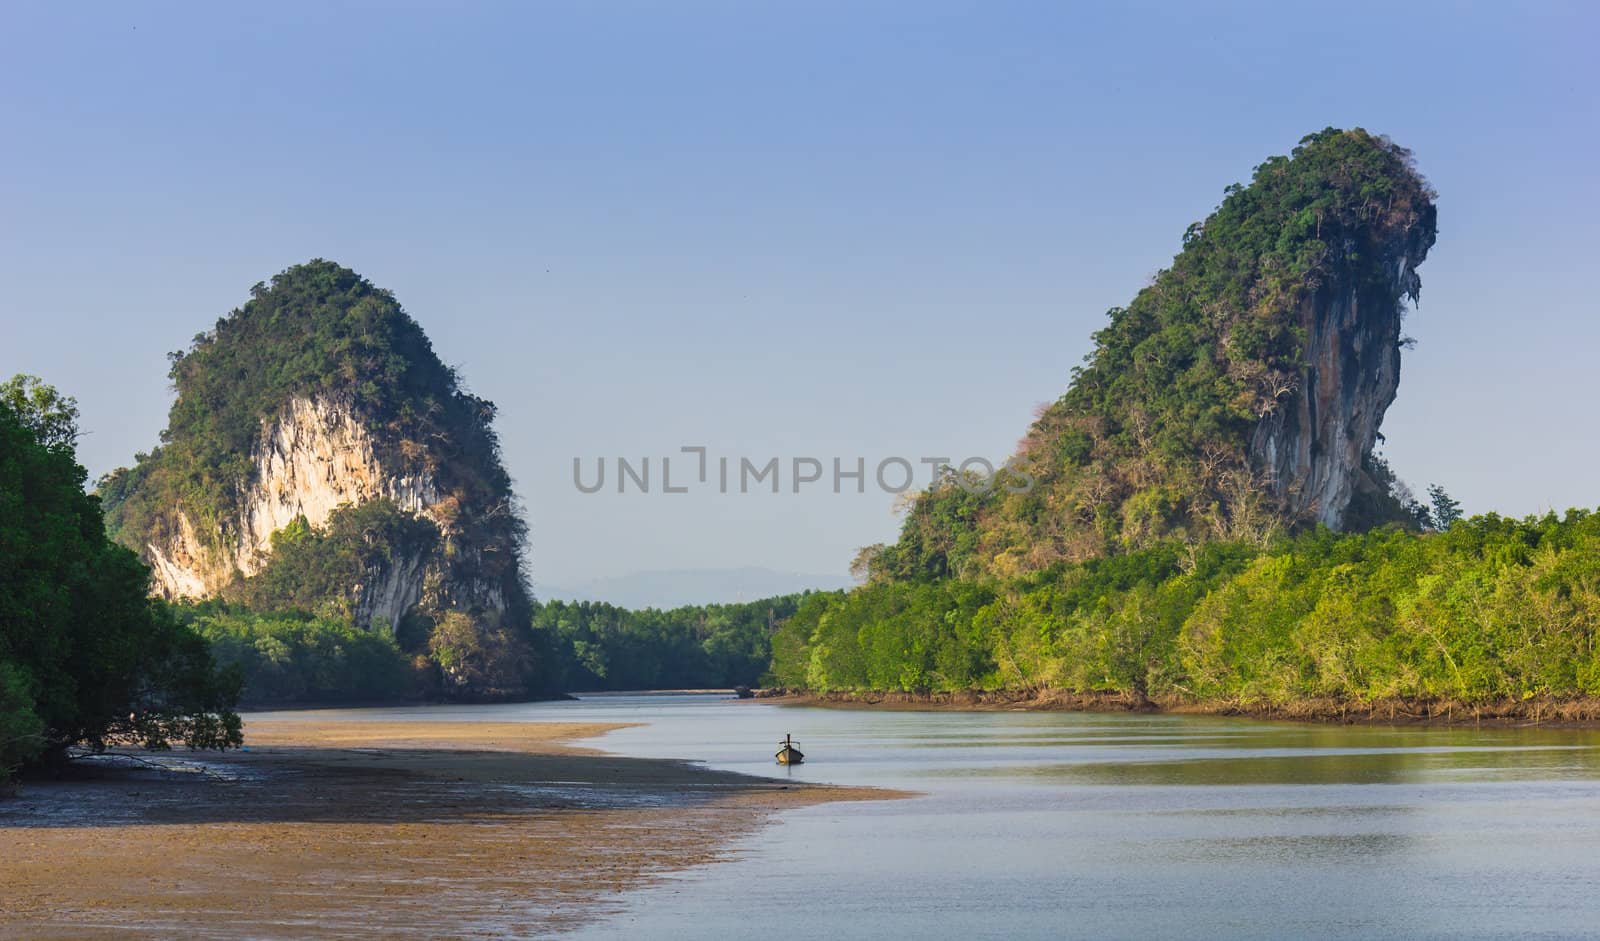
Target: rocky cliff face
{"type": "Point", "coordinates": [321, 458]}
{"type": "Point", "coordinates": [1237, 397]}
{"type": "Point", "coordinates": [1313, 448]}
{"type": "Point", "coordinates": [314, 457]}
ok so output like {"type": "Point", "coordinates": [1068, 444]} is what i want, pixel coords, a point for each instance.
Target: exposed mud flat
{"type": "Point", "coordinates": [374, 829]}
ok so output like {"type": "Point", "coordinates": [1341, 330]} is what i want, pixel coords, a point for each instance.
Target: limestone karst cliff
{"type": "Point", "coordinates": [319, 456]}
{"type": "Point", "coordinates": [1313, 448]}
{"type": "Point", "coordinates": [1237, 396]}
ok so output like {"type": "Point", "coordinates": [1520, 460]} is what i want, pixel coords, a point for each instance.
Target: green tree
{"type": "Point", "coordinates": [293, 657]}
{"type": "Point", "coordinates": [52, 416]}
{"type": "Point", "coordinates": [1445, 510]}
{"type": "Point", "coordinates": [598, 646]}
{"type": "Point", "coordinates": [21, 731]}
{"type": "Point", "coordinates": [1491, 610]}
{"type": "Point", "coordinates": [86, 656]}
{"type": "Point", "coordinates": [478, 656]}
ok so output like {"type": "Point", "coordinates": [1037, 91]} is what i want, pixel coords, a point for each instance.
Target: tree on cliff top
{"type": "Point", "coordinates": [52, 416]}
{"type": "Point", "coordinates": [1151, 441]}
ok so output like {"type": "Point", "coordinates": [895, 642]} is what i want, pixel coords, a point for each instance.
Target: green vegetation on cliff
{"type": "Point", "coordinates": [317, 329]}
{"type": "Point", "coordinates": [87, 658]}
{"type": "Point", "coordinates": [1152, 441]}
{"type": "Point", "coordinates": [377, 600]}
{"type": "Point", "coordinates": [322, 390]}
{"type": "Point", "coordinates": [319, 570]}
{"type": "Point", "coordinates": [1161, 552]}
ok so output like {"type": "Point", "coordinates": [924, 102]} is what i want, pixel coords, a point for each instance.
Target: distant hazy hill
{"type": "Point", "coordinates": [676, 588]}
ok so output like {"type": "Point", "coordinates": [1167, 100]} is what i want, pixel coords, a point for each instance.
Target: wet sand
{"type": "Point", "coordinates": [369, 829]}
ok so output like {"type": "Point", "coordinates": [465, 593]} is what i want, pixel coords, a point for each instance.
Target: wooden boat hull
{"type": "Point", "coordinates": [790, 756]}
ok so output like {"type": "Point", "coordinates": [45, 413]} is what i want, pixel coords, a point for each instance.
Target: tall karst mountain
{"type": "Point", "coordinates": [1239, 394]}
{"type": "Point", "coordinates": [319, 456]}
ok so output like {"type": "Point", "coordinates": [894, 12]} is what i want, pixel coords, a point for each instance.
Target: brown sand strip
{"type": "Point", "coordinates": [369, 830]}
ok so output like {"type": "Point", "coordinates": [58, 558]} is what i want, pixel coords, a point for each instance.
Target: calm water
{"type": "Point", "coordinates": [1057, 825]}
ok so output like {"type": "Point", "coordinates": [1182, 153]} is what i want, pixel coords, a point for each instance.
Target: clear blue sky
{"type": "Point", "coordinates": [780, 229]}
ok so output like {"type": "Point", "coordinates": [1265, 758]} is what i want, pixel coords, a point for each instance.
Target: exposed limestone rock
{"type": "Point", "coordinates": [1236, 398]}
{"type": "Point", "coordinates": [315, 457]}
{"type": "Point", "coordinates": [1312, 449]}
{"type": "Point", "coordinates": [392, 590]}
{"type": "Point", "coordinates": [320, 458]}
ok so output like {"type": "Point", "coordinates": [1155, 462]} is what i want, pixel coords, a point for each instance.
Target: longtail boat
{"type": "Point", "coordinates": [789, 751]}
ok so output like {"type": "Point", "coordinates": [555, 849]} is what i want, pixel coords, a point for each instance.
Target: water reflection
{"type": "Point", "coordinates": [1309, 766]}
{"type": "Point", "coordinates": [1061, 825]}
{"type": "Point", "coordinates": [1050, 825]}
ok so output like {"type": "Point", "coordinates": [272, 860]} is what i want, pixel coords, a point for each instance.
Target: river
{"type": "Point", "coordinates": [1069, 825]}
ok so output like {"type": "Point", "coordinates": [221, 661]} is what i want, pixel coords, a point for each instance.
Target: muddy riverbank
{"type": "Point", "coordinates": [329, 829]}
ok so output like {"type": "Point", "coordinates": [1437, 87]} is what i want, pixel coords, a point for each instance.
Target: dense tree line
{"type": "Point", "coordinates": [1148, 554]}
{"type": "Point", "coordinates": [1491, 609]}
{"type": "Point", "coordinates": [290, 657]}
{"type": "Point", "coordinates": [598, 646]}
{"type": "Point", "coordinates": [87, 659]}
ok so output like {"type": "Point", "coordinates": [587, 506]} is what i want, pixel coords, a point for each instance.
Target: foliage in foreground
{"type": "Point", "coordinates": [1491, 609]}
{"type": "Point", "coordinates": [86, 657]}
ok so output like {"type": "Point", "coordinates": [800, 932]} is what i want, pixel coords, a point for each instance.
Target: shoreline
{"type": "Point", "coordinates": [326, 705]}
{"type": "Point", "coordinates": [369, 828]}
{"type": "Point", "coordinates": [1542, 712]}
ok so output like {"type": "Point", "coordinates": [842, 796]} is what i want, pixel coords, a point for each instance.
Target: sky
{"type": "Point", "coordinates": [863, 230]}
